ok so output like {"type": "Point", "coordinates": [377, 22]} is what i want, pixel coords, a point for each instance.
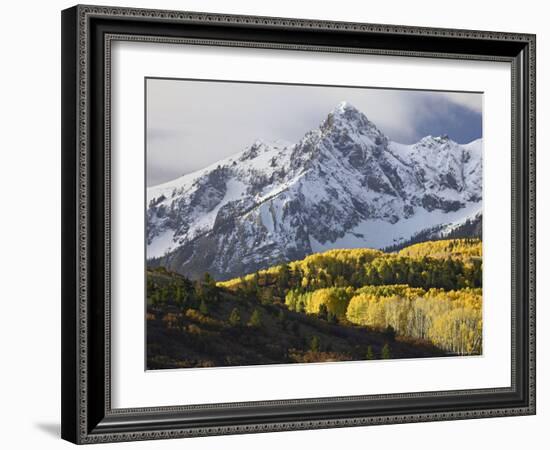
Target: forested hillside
{"type": "Point", "coordinates": [424, 300]}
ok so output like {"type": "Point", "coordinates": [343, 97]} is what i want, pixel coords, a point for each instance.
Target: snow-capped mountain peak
{"type": "Point", "coordinates": [345, 119]}
{"type": "Point", "coordinates": [344, 184]}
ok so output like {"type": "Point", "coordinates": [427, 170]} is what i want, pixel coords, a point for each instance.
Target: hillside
{"type": "Point", "coordinates": [447, 264]}
{"type": "Point", "coordinates": [461, 249]}
{"type": "Point", "coordinates": [230, 330]}
{"type": "Point", "coordinates": [333, 306]}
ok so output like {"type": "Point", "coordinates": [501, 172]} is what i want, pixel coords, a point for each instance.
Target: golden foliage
{"type": "Point", "coordinates": [311, 267]}
{"type": "Point", "coordinates": [197, 316]}
{"type": "Point", "coordinates": [452, 320]}
{"type": "Point", "coordinates": [449, 264]}
{"type": "Point", "coordinates": [170, 320]}
{"type": "Point", "coordinates": [427, 291]}
{"type": "Point", "coordinates": [462, 249]}
{"type": "Point", "coordinates": [335, 299]}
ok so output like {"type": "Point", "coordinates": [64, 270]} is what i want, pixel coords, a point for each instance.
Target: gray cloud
{"type": "Point", "coordinates": [191, 124]}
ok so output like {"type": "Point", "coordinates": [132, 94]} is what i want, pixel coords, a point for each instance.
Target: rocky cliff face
{"type": "Point", "coordinates": [343, 185]}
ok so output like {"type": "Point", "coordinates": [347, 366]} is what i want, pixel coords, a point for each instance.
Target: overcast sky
{"type": "Point", "coordinates": [192, 124]}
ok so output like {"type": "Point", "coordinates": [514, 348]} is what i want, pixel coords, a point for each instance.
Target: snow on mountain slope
{"type": "Point", "coordinates": [343, 184]}
{"type": "Point", "coordinates": [367, 233]}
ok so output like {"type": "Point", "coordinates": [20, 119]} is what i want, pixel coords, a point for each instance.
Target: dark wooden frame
{"type": "Point", "coordinates": [87, 32]}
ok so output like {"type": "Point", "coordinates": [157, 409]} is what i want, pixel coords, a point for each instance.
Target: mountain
{"type": "Point", "coordinates": [470, 227]}
{"type": "Point", "coordinates": [343, 185]}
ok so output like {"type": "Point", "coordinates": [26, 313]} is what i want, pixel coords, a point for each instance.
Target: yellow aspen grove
{"type": "Point", "coordinates": [428, 291]}
{"type": "Point", "coordinates": [452, 320]}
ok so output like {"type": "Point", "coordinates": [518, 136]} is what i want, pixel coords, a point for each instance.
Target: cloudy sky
{"type": "Point", "coordinates": [192, 124]}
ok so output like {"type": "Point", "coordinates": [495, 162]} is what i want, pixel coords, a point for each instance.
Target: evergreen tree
{"type": "Point", "coordinates": [283, 277]}
{"type": "Point", "coordinates": [370, 353]}
{"type": "Point", "coordinates": [323, 312]}
{"type": "Point", "coordinates": [163, 295]}
{"type": "Point", "coordinates": [208, 280]}
{"type": "Point", "coordinates": [209, 288]}
{"type": "Point", "coordinates": [386, 352]}
{"type": "Point", "coordinates": [155, 299]}
{"type": "Point", "coordinates": [180, 296]}
{"type": "Point", "coordinates": [200, 292]}
{"type": "Point", "coordinates": [255, 319]}
{"type": "Point", "coordinates": [203, 308]}
{"type": "Point", "coordinates": [389, 333]}
{"type": "Point", "coordinates": [315, 344]}
{"type": "Point", "coordinates": [235, 318]}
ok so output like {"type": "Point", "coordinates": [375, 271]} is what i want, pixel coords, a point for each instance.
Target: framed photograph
{"type": "Point", "coordinates": [279, 224]}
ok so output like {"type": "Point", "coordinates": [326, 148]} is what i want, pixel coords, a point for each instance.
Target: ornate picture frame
{"type": "Point", "coordinates": [88, 415]}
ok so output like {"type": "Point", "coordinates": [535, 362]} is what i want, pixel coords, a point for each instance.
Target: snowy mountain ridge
{"type": "Point", "coordinates": [343, 185]}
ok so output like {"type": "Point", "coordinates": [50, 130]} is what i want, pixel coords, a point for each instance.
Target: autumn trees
{"type": "Point", "coordinates": [332, 300]}
{"type": "Point", "coordinates": [452, 320]}
{"type": "Point", "coordinates": [429, 292]}
{"type": "Point", "coordinates": [450, 265]}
